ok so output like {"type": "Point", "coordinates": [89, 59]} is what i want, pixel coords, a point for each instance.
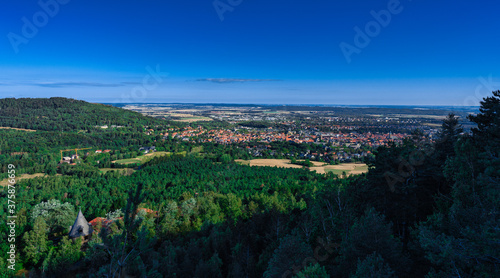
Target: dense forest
{"type": "Point", "coordinates": [62, 114]}
{"type": "Point", "coordinates": [426, 208]}
{"type": "Point", "coordinates": [55, 123]}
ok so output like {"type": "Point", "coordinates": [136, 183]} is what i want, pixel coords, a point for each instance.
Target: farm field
{"type": "Point", "coordinates": [284, 163]}
{"type": "Point", "coordinates": [433, 117]}
{"type": "Point", "coordinates": [193, 119]}
{"type": "Point", "coordinates": [319, 167]}
{"type": "Point", "coordinates": [348, 168]}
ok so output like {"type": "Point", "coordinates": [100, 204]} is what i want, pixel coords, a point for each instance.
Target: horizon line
{"type": "Point", "coordinates": [296, 104]}
{"type": "Point", "coordinates": [262, 104]}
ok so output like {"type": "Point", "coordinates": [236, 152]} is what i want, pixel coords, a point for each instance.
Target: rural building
{"type": "Point", "coordinates": [66, 159]}
{"type": "Point", "coordinates": [81, 227]}
{"type": "Point", "coordinates": [104, 222]}
{"type": "Point", "coordinates": [147, 149]}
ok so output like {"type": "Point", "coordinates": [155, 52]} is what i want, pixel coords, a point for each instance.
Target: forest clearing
{"type": "Point", "coordinates": [5, 182]}
{"type": "Point", "coordinates": [141, 159]}
{"type": "Point", "coordinates": [319, 167]}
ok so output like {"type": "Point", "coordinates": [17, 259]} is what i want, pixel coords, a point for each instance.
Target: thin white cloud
{"type": "Point", "coordinates": [234, 80]}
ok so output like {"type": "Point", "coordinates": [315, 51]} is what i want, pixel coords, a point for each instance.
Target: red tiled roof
{"type": "Point", "coordinates": [149, 211]}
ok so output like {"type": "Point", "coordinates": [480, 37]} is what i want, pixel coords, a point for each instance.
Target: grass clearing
{"type": "Point", "coordinates": [197, 149]}
{"type": "Point", "coordinates": [128, 161]}
{"type": "Point", "coordinates": [21, 129]}
{"type": "Point", "coordinates": [145, 158]}
{"type": "Point", "coordinates": [122, 171]}
{"type": "Point", "coordinates": [5, 182]}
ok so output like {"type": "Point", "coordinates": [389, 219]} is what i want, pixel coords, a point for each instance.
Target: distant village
{"type": "Point", "coordinates": [339, 146]}
{"type": "Point", "coordinates": [345, 134]}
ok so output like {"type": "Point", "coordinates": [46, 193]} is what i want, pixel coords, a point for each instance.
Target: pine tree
{"type": "Point", "coordinates": [464, 239]}
{"type": "Point", "coordinates": [36, 243]}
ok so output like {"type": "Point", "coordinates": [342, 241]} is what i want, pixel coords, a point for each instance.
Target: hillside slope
{"type": "Point", "coordinates": [63, 114]}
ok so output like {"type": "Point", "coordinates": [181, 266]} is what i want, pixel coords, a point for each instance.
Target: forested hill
{"type": "Point", "coordinates": [63, 114]}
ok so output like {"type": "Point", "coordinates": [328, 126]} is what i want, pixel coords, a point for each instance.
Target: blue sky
{"type": "Point", "coordinates": [251, 51]}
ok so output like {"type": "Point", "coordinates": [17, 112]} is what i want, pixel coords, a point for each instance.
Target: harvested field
{"type": "Point", "coordinates": [434, 117]}
{"type": "Point", "coordinates": [319, 167]}
{"type": "Point", "coordinates": [284, 163]}
{"type": "Point", "coordinates": [193, 119]}
{"type": "Point", "coordinates": [317, 163]}
{"type": "Point", "coordinates": [349, 168]}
